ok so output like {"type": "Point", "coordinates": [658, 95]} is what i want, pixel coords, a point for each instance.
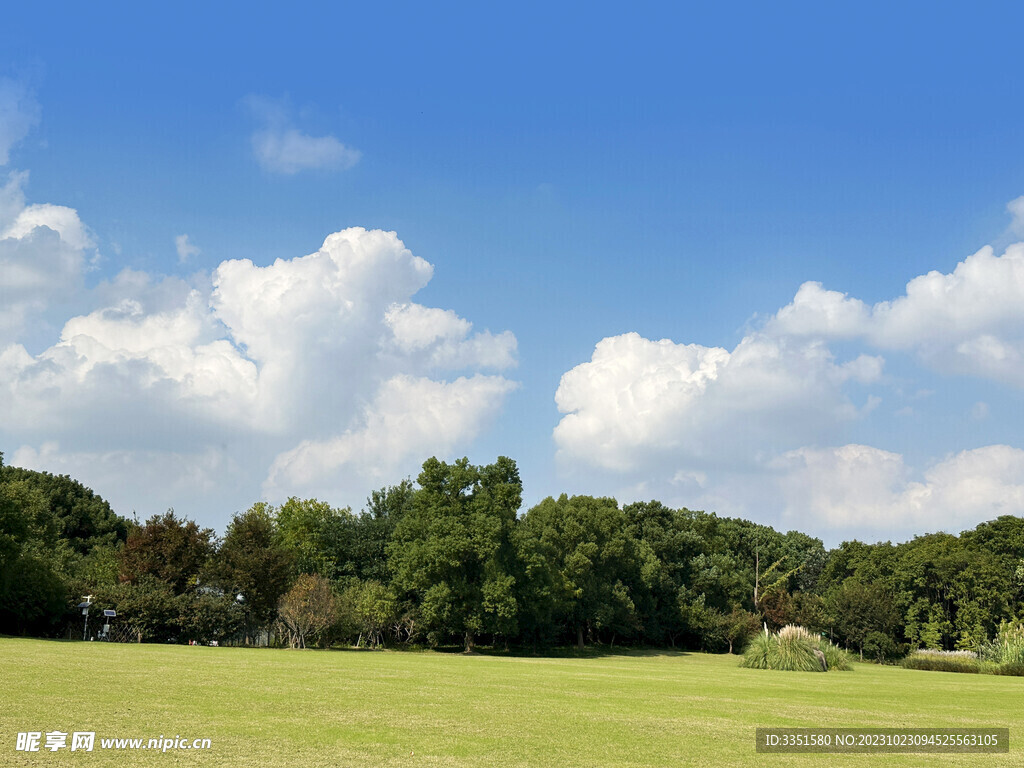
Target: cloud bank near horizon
{"type": "Point", "coordinates": [763, 424]}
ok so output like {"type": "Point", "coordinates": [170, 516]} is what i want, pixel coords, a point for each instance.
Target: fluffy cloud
{"type": "Point", "coordinates": [857, 487]}
{"type": "Point", "coordinates": [58, 218]}
{"type": "Point", "coordinates": [408, 419]}
{"type": "Point", "coordinates": [441, 339]}
{"type": "Point", "coordinates": [320, 365]}
{"type": "Point", "coordinates": [44, 252]}
{"type": "Point", "coordinates": [281, 148]}
{"type": "Point", "coordinates": [656, 404]}
{"type": "Point", "coordinates": [969, 321]}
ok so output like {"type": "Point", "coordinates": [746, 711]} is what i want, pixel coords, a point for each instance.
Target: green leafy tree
{"type": "Point", "coordinates": [672, 546]}
{"type": "Point", "coordinates": [252, 561]}
{"type": "Point", "coordinates": [594, 561]}
{"type": "Point", "coordinates": [880, 647]}
{"type": "Point", "coordinates": [859, 609]}
{"type": "Point", "coordinates": [372, 611]}
{"type": "Point", "coordinates": [34, 598]}
{"type": "Point", "coordinates": [32, 594]}
{"type": "Point", "coordinates": [149, 606]}
{"type": "Point", "coordinates": [15, 526]}
{"type": "Point", "coordinates": [705, 623]}
{"type": "Point", "coordinates": [374, 528]}
{"type": "Point", "coordinates": [317, 536]}
{"type": "Point", "coordinates": [80, 516]}
{"type": "Point", "coordinates": [205, 616]}
{"type": "Point", "coordinates": [739, 627]}
{"type": "Point", "coordinates": [169, 549]}
{"type": "Point", "coordinates": [452, 552]}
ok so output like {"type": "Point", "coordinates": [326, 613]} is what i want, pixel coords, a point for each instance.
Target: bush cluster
{"type": "Point", "coordinates": [1002, 656]}
{"type": "Point", "coordinates": [1012, 669]}
{"type": "Point", "coordinates": [943, 661]}
{"type": "Point", "coordinates": [793, 649]}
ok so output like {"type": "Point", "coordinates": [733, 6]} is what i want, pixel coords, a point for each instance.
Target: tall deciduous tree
{"type": "Point", "coordinates": [594, 559]}
{"type": "Point", "coordinates": [80, 516]}
{"type": "Point", "coordinates": [452, 551]}
{"type": "Point", "coordinates": [859, 609]}
{"type": "Point", "coordinates": [317, 536]}
{"type": "Point", "coordinates": [374, 528]}
{"type": "Point", "coordinates": [252, 561]}
{"type": "Point", "coordinates": [168, 548]}
{"type": "Point", "coordinates": [307, 609]}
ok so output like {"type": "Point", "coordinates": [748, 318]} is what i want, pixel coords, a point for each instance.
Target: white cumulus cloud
{"type": "Point", "coordinates": [657, 404]}
{"type": "Point", "coordinates": [858, 487]}
{"type": "Point", "coordinates": [280, 147]}
{"type": "Point", "coordinates": [741, 430]}
{"type": "Point", "coordinates": [968, 321]}
{"type": "Point", "coordinates": [409, 419]}
{"type": "Point", "coordinates": [1016, 210]}
{"type": "Point", "coordinates": [303, 373]}
{"type": "Point", "coordinates": [44, 253]}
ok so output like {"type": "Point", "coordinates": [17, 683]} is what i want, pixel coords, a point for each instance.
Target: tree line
{"type": "Point", "coordinates": [449, 561]}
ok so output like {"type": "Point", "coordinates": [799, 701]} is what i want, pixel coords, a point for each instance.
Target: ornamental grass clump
{"type": "Point", "coordinates": [1011, 644]}
{"type": "Point", "coordinates": [944, 661]}
{"type": "Point", "coordinates": [1006, 652]}
{"type": "Point", "coordinates": [793, 649]}
{"type": "Point", "coordinates": [836, 657]}
{"type": "Point", "coordinates": [759, 651]}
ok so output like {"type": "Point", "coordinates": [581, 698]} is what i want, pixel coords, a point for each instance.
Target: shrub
{"type": "Point", "coordinates": [880, 647]}
{"type": "Point", "coordinates": [943, 661]}
{"type": "Point", "coordinates": [793, 649]}
{"type": "Point", "coordinates": [1016, 669]}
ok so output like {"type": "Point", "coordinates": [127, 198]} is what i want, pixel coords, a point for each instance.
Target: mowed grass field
{"type": "Point", "coordinates": [366, 708]}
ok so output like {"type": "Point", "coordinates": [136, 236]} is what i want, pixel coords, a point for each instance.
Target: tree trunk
{"type": "Point", "coordinates": [730, 645]}
{"type": "Point", "coordinates": [757, 579]}
{"type": "Point", "coordinates": [579, 636]}
{"type": "Point", "coordinates": [469, 641]}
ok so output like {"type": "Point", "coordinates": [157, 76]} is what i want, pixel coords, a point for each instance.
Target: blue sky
{"type": "Point", "coordinates": [585, 182]}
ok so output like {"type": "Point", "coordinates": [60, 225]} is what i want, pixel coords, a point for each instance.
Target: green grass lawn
{"type": "Point", "coordinates": [350, 708]}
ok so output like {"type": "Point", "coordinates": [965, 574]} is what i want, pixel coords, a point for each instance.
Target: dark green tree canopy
{"type": "Point", "coordinates": [253, 561]}
{"type": "Point", "coordinates": [168, 548]}
{"type": "Point", "coordinates": [452, 552]}
{"type": "Point", "coordinates": [81, 517]}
